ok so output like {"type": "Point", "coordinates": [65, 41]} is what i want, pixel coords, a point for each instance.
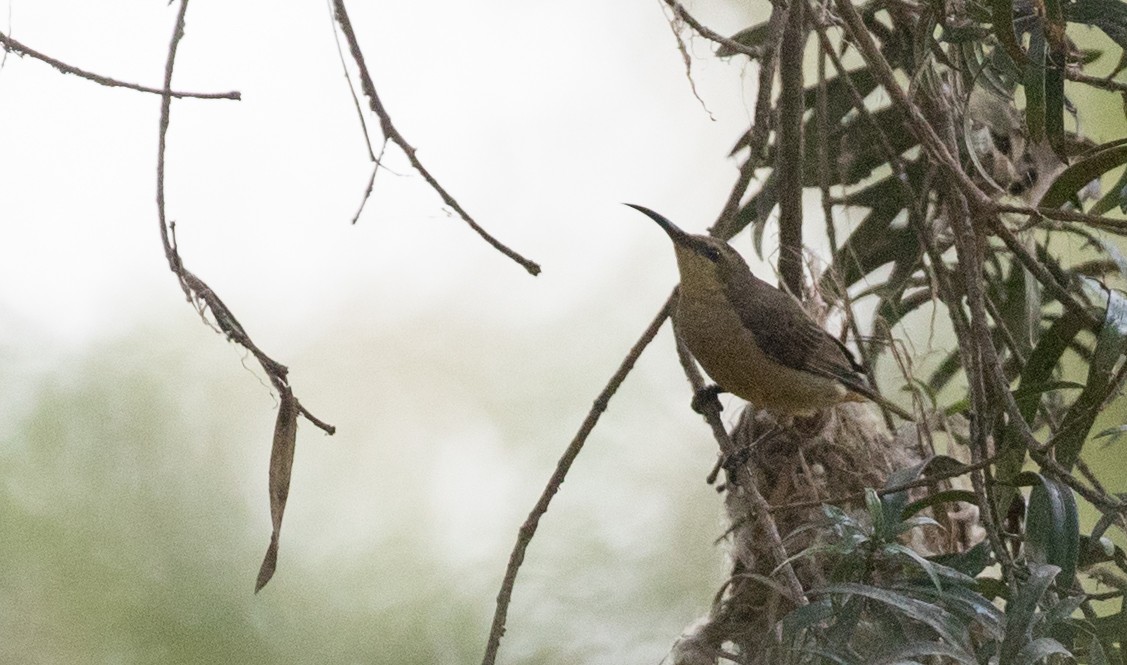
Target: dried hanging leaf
{"type": "Point", "coordinates": [281, 465]}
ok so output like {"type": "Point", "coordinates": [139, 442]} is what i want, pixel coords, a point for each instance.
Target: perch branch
{"type": "Point", "coordinates": [747, 481]}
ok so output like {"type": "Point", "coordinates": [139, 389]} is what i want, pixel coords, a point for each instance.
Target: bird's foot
{"type": "Point", "coordinates": [731, 464]}
{"type": "Point", "coordinates": [706, 399]}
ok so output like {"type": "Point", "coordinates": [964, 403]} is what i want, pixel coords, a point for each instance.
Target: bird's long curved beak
{"type": "Point", "coordinates": [678, 236]}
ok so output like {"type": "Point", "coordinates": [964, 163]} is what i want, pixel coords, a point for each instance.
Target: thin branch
{"type": "Point", "coordinates": [528, 529]}
{"type": "Point", "coordinates": [984, 373]}
{"type": "Point", "coordinates": [926, 481]}
{"type": "Point", "coordinates": [203, 298]}
{"type": "Point", "coordinates": [760, 132]}
{"type": "Point", "coordinates": [1105, 503]}
{"type": "Point", "coordinates": [196, 290]}
{"type": "Point", "coordinates": [920, 126]}
{"type": "Point", "coordinates": [1094, 81]}
{"type": "Point", "coordinates": [18, 48]}
{"type": "Point", "coordinates": [1041, 274]}
{"type": "Point", "coordinates": [789, 149]}
{"type": "Point", "coordinates": [363, 128]}
{"type": "Point", "coordinates": [680, 12]}
{"type": "Point", "coordinates": [1038, 214]}
{"type": "Point", "coordinates": [746, 478]}
{"type": "Point", "coordinates": [392, 134]}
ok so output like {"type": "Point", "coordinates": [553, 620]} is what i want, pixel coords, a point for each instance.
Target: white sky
{"type": "Point", "coordinates": [539, 117]}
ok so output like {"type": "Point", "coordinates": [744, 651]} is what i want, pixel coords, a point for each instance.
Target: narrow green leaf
{"type": "Point", "coordinates": [805, 617]}
{"type": "Point", "coordinates": [1002, 14]}
{"type": "Point", "coordinates": [846, 618]}
{"type": "Point", "coordinates": [1052, 525]}
{"type": "Point", "coordinates": [945, 624]}
{"type": "Point", "coordinates": [1022, 611]}
{"type": "Point", "coordinates": [932, 569]}
{"type": "Point", "coordinates": [906, 653]}
{"type": "Point", "coordinates": [1112, 432]}
{"type": "Point", "coordinates": [839, 98]}
{"type": "Point", "coordinates": [872, 244]}
{"type": "Point", "coordinates": [972, 562]}
{"type": "Point", "coordinates": [1112, 628]}
{"type": "Point", "coordinates": [1018, 305]}
{"type": "Point", "coordinates": [1089, 56]}
{"type": "Point", "coordinates": [1026, 393]}
{"type": "Point", "coordinates": [947, 370]}
{"type": "Point", "coordinates": [1114, 197]}
{"type": "Point", "coordinates": [1107, 15]}
{"type": "Point", "coordinates": [1034, 84]}
{"type": "Point", "coordinates": [855, 149]}
{"type": "Point", "coordinates": [946, 496]}
{"type": "Point", "coordinates": [1111, 348]}
{"type": "Point", "coordinates": [1040, 649]}
{"type": "Point", "coordinates": [895, 502]}
{"type": "Point", "coordinates": [877, 514]}
{"type": "Point", "coordinates": [1078, 175]}
{"type": "Point", "coordinates": [1038, 371]}
{"type": "Point", "coordinates": [895, 301]}
{"type": "Point", "coordinates": [1097, 655]}
{"type": "Point", "coordinates": [970, 605]}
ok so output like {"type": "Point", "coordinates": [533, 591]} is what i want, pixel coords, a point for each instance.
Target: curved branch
{"type": "Point", "coordinates": [528, 529]}
{"type": "Point", "coordinates": [392, 134]}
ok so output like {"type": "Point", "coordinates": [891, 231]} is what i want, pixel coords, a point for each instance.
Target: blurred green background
{"type": "Point", "coordinates": [135, 517]}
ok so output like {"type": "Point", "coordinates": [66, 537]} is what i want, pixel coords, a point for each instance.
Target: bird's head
{"type": "Point", "coordinates": [703, 261]}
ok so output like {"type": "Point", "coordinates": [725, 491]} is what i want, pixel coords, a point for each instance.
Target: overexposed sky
{"type": "Point", "coordinates": [539, 117]}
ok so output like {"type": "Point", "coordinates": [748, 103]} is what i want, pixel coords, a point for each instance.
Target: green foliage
{"type": "Point", "coordinates": [1002, 83]}
{"type": "Point", "coordinates": [884, 603]}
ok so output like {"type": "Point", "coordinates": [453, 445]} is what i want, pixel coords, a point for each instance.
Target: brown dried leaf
{"type": "Point", "coordinates": [281, 465]}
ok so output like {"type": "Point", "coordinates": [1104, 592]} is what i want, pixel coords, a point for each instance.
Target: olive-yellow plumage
{"type": "Point", "coordinates": [756, 341]}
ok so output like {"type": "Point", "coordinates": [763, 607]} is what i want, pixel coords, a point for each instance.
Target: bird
{"type": "Point", "coordinates": [756, 341]}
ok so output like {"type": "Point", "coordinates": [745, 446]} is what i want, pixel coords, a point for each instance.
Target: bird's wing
{"type": "Point", "coordinates": [788, 335]}
{"type": "Point", "coordinates": [791, 338]}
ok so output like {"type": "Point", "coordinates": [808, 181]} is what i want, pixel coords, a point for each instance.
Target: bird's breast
{"type": "Point", "coordinates": [715, 334]}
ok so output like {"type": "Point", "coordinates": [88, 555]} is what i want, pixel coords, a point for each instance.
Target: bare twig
{"type": "Point", "coordinates": [392, 134]}
{"type": "Point", "coordinates": [9, 44]}
{"type": "Point", "coordinates": [1042, 275]}
{"type": "Point", "coordinates": [920, 126]}
{"type": "Point", "coordinates": [1039, 214]}
{"type": "Point", "coordinates": [683, 14]}
{"type": "Point", "coordinates": [723, 227]}
{"type": "Point", "coordinates": [789, 158]}
{"type": "Point", "coordinates": [1094, 81]}
{"type": "Point", "coordinates": [856, 497]}
{"type": "Point", "coordinates": [203, 298]}
{"type": "Point", "coordinates": [363, 128]}
{"type": "Point", "coordinates": [984, 368]}
{"type": "Point", "coordinates": [528, 529]}
{"type": "Point", "coordinates": [687, 59]}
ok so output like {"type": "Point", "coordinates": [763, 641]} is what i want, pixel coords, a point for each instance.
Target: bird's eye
{"type": "Point", "coordinates": [712, 253]}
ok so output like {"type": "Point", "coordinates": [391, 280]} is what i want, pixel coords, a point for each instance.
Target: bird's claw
{"type": "Point", "coordinates": [706, 399]}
